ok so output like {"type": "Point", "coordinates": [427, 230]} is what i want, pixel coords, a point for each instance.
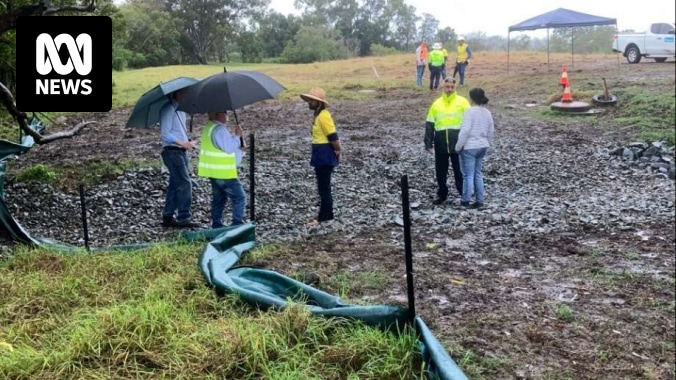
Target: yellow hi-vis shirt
{"type": "Point", "coordinates": [323, 127]}
{"type": "Point", "coordinates": [213, 162]}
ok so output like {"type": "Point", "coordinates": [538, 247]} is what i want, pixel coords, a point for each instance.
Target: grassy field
{"type": "Point", "coordinates": [525, 76]}
{"type": "Point", "coordinates": [149, 314]}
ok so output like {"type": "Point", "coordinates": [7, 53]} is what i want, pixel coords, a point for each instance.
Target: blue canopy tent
{"type": "Point", "coordinates": [558, 18]}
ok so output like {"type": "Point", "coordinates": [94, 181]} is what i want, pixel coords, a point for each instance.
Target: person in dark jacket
{"type": "Point", "coordinates": [441, 133]}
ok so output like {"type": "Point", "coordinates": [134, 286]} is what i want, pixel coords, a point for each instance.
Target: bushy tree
{"type": "Point", "coordinates": [152, 35]}
{"type": "Point", "coordinates": [428, 28]}
{"type": "Point", "coordinates": [250, 47]}
{"type": "Point", "coordinates": [312, 44]}
{"type": "Point", "coordinates": [275, 30]}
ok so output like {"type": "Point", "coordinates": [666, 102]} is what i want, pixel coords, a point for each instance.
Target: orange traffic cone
{"type": "Point", "coordinates": [564, 77]}
{"type": "Point", "coordinates": [567, 97]}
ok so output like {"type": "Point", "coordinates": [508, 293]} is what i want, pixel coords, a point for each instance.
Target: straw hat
{"type": "Point", "coordinates": [317, 94]}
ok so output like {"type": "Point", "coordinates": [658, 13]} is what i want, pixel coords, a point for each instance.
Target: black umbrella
{"type": "Point", "coordinates": [229, 91]}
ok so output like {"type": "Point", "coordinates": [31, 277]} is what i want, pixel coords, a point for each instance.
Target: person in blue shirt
{"type": "Point", "coordinates": [221, 152]}
{"type": "Point", "coordinates": [176, 146]}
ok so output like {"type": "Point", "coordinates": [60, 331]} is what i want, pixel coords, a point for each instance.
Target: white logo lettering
{"type": "Point", "coordinates": [79, 50]}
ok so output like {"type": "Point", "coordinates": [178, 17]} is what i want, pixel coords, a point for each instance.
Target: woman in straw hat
{"type": "Point", "coordinates": [325, 150]}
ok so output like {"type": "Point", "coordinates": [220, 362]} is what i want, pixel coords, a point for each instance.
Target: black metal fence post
{"type": "Point", "coordinates": [83, 207]}
{"type": "Point", "coordinates": [407, 249]}
{"type": "Point", "coordinates": [252, 178]}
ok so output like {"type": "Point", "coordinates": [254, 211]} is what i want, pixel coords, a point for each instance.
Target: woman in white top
{"type": "Point", "coordinates": [476, 136]}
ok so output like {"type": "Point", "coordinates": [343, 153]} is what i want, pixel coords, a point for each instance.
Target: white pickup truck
{"type": "Point", "coordinates": [657, 43]}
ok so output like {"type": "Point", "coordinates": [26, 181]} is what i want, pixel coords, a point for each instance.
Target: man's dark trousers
{"type": "Point", "coordinates": [441, 167]}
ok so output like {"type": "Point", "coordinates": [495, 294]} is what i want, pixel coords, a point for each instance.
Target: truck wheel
{"type": "Point", "coordinates": [660, 60]}
{"type": "Point", "coordinates": [633, 55]}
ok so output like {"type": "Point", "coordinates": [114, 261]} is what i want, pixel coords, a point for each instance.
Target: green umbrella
{"type": "Point", "coordinates": [146, 111]}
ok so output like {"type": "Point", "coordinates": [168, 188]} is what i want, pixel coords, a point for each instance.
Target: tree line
{"type": "Point", "coordinates": [175, 32]}
{"type": "Point", "coordinates": [167, 32]}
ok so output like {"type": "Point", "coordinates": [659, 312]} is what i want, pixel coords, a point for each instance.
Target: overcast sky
{"type": "Point", "coordinates": [494, 16]}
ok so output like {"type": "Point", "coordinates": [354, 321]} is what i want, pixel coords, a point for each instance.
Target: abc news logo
{"type": "Point", "coordinates": [67, 64]}
{"type": "Point", "coordinates": [81, 64]}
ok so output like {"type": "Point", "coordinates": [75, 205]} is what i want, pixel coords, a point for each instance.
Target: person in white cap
{"type": "Point", "coordinates": [436, 61]}
{"type": "Point", "coordinates": [325, 150]}
{"type": "Point", "coordinates": [462, 59]}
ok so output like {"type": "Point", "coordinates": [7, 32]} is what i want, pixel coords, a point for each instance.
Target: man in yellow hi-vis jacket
{"type": "Point", "coordinates": [464, 54]}
{"type": "Point", "coordinates": [442, 128]}
{"type": "Point", "coordinates": [220, 155]}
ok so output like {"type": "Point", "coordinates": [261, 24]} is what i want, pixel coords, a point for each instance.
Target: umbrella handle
{"type": "Point", "coordinates": [241, 138]}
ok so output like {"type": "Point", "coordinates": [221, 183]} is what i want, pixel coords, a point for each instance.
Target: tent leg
{"type": "Point", "coordinates": [508, 33]}
{"type": "Point", "coordinates": [548, 49]}
{"type": "Point", "coordinates": [572, 46]}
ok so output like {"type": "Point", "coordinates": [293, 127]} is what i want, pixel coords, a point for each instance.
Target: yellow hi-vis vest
{"type": "Point", "coordinates": [213, 162]}
{"type": "Point", "coordinates": [462, 53]}
{"type": "Point", "coordinates": [447, 112]}
{"type": "Point", "coordinates": [436, 58]}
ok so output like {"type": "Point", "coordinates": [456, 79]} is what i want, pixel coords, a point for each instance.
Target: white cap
{"type": "Point", "coordinates": [461, 38]}
{"type": "Point", "coordinates": [436, 45]}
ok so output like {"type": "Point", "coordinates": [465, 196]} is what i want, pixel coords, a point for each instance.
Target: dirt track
{"type": "Point", "coordinates": [494, 289]}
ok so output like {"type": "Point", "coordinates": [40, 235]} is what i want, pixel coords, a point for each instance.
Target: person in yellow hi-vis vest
{"type": "Point", "coordinates": [462, 60]}
{"type": "Point", "coordinates": [442, 129]}
{"type": "Point", "coordinates": [325, 149]}
{"type": "Point", "coordinates": [220, 156]}
{"type": "Point", "coordinates": [435, 63]}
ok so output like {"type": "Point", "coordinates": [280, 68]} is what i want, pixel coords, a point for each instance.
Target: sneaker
{"type": "Point", "coordinates": [439, 201]}
{"type": "Point", "coordinates": [464, 204]}
{"type": "Point", "coordinates": [477, 205]}
{"type": "Point", "coordinates": [186, 224]}
{"type": "Point", "coordinates": [168, 221]}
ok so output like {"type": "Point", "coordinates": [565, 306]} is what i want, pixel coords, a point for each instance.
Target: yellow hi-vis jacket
{"type": "Point", "coordinates": [443, 122]}
{"type": "Point", "coordinates": [462, 53]}
{"type": "Point", "coordinates": [436, 58]}
{"type": "Point", "coordinates": [213, 162]}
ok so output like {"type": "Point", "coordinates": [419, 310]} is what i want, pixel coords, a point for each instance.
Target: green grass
{"type": "Point", "coordinates": [149, 314]}
{"type": "Point", "coordinates": [37, 173]}
{"type": "Point", "coordinates": [652, 113]}
{"type": "Point", "coordinates": [563, 312]}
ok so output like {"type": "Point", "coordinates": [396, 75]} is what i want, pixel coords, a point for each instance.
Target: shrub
{"type": "Point", "coordinates": [380, 50]}
{"type": "Point", "coordinates": [37, 173]}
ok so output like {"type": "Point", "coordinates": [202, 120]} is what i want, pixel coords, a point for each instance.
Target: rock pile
{"type": "Point", "coordinates": [655, 157]}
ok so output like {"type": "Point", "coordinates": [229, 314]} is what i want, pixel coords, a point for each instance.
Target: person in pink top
{"type": "Point", "coordinates": [421, 61]}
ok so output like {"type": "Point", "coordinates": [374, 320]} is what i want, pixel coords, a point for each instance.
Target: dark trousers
{"type": "Point", "coordinates": [435, 74]}
{"type": "Point", "coordinates": [324, 188]}
{"type": "Point", "coordinates": [441, 167]}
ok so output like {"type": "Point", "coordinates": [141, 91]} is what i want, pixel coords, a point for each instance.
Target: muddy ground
{"type": "Point", "coordinates": [526, 289]}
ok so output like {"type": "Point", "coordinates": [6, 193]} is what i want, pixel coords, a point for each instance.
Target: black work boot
{"type": "Point", "coordinates": [168, 221]}
{"type": "Point", "coordinates": [186, 224]}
